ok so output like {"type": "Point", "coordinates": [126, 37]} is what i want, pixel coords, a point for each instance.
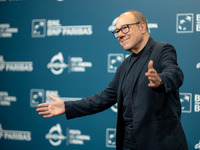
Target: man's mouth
{"type": "Point", "coordinates": [124, 40]}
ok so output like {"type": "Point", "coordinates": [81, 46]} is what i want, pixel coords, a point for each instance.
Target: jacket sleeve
{"type": "Point", "coordinates": [171, 74]}
{"type": "Point", "coordinates": [93, 104]}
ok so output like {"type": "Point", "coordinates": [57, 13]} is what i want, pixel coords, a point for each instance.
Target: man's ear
{"type": "Point", "coordinates": [143, 27]}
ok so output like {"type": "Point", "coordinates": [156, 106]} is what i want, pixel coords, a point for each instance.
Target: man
{"type": "Point", "coordinates": [145, 87]}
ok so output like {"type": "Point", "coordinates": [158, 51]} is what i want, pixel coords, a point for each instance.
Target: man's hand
{"type": "Point", "coordinates": [154, 79]}
{"type": "Point", "coordinates": [55, 108]}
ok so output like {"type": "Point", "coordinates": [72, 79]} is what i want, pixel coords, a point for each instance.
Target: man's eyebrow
{"type": "Point", "coordinates": [118, 28]}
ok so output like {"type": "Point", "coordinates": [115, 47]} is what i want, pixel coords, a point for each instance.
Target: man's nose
{"type": "Point", "coordinates": [120, 34]}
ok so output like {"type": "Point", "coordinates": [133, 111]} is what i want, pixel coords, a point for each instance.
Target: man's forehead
{"type": "Point", "coordinates": [125, 18]}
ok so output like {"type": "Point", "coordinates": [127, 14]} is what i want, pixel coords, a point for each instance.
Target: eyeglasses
{"type": "Point", "coordinates": [125, 29]}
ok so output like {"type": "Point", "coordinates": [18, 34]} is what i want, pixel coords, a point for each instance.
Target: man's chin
{"type": "Point", "coordinates": [127, 49]}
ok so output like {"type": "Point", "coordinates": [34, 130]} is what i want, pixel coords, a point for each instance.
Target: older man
{"type": "Point", "coordinates": [145, 87]}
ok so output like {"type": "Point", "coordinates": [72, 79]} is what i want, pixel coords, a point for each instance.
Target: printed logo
{"type": "Point", "coordinates": [57, 64]}
{"type": "Point", "coordinates": [184, 23]}
{"type": "Point", "coordinates": [15, 66]}
{"type": "Point", "coordinates": [152, 26]}
{"type": "Point", "coordinates": [37, 97]}
{"type": "Point", "coordinates": [76, 137]}
{"type": "Point", "coordinates": [112, 26]}
{"type": "Point", "coordinates": [198, 22]}
{"type": "Point", "coordinates": [114, 108]}
{"type": "Point", "coordinates": [76, 64]}
{"type": "Point", "coordinates": [197, 146]}
{"type": "Point", "coordinates": [38, 28]}
{"type": "Point", "coordinates": [114, 60]}
{"type": "Point", "coordinates": [5, 99]}
{"type": "Point", "coordinates": [198, 65]}
{"type": "Point", "coordinates": [43, 27]}
{"type": "Point", "coordinates": [110, 137]}
{"type": "Point", "coordinates": [6, 31]}
{"type": "Point", "coordinates": [55, 135]}
{"type": "Point", "coordinates": [11, 0]}
{"type": "Point", "coordinates": [186, 102]}
{"type": "Point", "coordinates": [15, 135]}
{"type": "Point", "coordinates": [197, 102]}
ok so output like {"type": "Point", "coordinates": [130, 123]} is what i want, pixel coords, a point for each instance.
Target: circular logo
{"type": "Point", "coordinates": [55, 136]}
{"type": "Point", "coordinates": [114, 108]}
{"type": "Point", "coordinates": [57, 64]}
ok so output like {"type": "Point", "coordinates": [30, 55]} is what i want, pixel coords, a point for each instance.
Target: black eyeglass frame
{"type": "Point", "coordinates": [121, 29]}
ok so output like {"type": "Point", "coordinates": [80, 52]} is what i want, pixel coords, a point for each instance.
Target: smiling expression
{"type": "Point", "coordinates": [133, 40]}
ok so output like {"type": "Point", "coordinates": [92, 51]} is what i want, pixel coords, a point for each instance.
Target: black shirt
{"type": "Point", "coordinates": [127, 91]}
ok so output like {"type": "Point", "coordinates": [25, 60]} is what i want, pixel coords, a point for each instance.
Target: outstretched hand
{"type": "Point", "coordinates": [55, 108]}
{"type": "Point", "coordinates": [154, 79]}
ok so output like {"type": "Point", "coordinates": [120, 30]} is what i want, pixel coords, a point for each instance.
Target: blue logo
{"type": "Point", "coordinates": [184, 23]}
{"type": "Point", "coordinates": [38, 28]}
{"type": "Point", "coordinates": [114, 60]}
{"type": "Point", "coordinates": [186, 102]}
{"type": "Point", "coordinates": [111, 137]}
{"type": "Point", "coordinates": [37, 97]}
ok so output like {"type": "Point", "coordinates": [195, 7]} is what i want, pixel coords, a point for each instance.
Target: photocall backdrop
{"type": "Point", "coordinates": [66, 48]}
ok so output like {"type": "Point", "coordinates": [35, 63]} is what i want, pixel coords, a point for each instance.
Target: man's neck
{"type": "Point", "coordinates": [142, 45]}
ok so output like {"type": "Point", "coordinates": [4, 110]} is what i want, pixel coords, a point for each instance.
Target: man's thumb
{"type": "Point", "coordinates": [150, 65]}
{"type": "Point", "coordinates": [53, 97]}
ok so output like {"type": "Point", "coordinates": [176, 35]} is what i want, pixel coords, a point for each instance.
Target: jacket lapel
{"type": "Point", "coordinates": [144, 58]}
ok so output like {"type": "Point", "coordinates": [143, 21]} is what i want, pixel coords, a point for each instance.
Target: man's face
{"type": "Point", "coordinates": [130, 41]}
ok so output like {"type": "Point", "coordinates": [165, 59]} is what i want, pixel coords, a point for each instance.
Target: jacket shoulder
{"type": "Point", "coordinates": [160, 45]}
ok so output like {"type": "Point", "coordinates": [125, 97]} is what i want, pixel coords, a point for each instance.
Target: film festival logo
{"type": "Point", "coordinates": [76, 64]}
{"type": "Point", "coordinates": [74, 136]}
{"type": "Point", "coordinates": [111, 138]}
{"type": "Point", "coordinates": [57, 64]}
{"type": "Point", "coordinates": [42, 28]}
{"type": "Point", "coordinates": [6, 31]}
{"type": "Point", "coordinates": [55, 135]}
{"type": "Point", "coordinates": [5, 99]}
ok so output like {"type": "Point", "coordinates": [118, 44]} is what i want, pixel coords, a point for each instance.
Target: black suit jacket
{"type": "Point", "coordinates": [156, 111]}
